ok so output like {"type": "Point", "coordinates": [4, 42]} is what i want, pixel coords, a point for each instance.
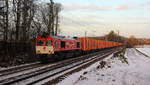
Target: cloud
{"type": "Point", "coordinates": [79, 6]}
{"type": "Point", "coordinates": [123, 7]}
{"type": "Point", "coordinates": [147, 3]}
{"type": "Point", "coordinates": [80, 22]}
{"type": "Point", "coordinates": [128, 6]}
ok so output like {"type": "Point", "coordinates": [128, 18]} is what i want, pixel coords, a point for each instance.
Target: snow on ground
{"type": "Point", "coordinates": [136, 72]}
{"type": "Point", "coordinates": [144, 50]}
{"type": "Point", "coordinates": [1, 68]}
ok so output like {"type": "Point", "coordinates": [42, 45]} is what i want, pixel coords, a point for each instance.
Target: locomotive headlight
{"type": "Point", "coordinates": [38, 51]}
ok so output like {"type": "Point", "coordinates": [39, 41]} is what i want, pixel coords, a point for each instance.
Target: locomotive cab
{"type": "Point", "coordinates": [44, 45]}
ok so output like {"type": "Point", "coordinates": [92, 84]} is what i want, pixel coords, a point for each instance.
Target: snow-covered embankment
{"type": "Point", "coordinates": [135, 72]}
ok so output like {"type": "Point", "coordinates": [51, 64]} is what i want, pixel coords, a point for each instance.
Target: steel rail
{"type": "Point", "coordinates": [51, 68]}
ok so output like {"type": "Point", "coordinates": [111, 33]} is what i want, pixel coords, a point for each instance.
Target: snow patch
{"type": "Point", "coordinates": [136, 72]}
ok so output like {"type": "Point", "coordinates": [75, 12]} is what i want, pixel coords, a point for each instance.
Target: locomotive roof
{"type": "Point", "coordinates": [59, 37]}
{"type": "Point", "coordinates": [63, 37]}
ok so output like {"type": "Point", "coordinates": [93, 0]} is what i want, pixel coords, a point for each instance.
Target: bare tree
{"type": "Point", "coordinates": [50, 17]}
{"type": "Point", "coordinates": [57, 9]}
{"type": "Point", "coordinates": [4, 21]}
{"type": "Point", "coordinates": [2, 18]}
{"type": "Point", "coordinates": [37, 21]}
{"type": "Point", "coordinates": [25, 18]}
{"type": "Point", "coordinates": [23, 11]}
{"type": "Point", "coordinates": [51, 23]}
{"type": "Point", "coordinates": [17, 16]}
{"type": "Point", "coordinates": [7, 21]}
{"type": "Point", "coordinates": [46, 17]}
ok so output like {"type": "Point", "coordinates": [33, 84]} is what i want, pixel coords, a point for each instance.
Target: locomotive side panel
{"type": "Point", "coordinates": [65, 44]}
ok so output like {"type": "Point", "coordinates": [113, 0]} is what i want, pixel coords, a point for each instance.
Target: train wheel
{"type": "Point", "coordinates": [59, 56]}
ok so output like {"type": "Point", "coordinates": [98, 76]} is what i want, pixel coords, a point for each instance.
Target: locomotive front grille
{"type": "Point", "coordinates": [44, 50]}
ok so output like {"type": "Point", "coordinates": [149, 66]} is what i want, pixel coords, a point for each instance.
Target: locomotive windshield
{"type": "Point", "coordinates": [48, 43]}
{"type": "Point", "coordinates": [40, 42]}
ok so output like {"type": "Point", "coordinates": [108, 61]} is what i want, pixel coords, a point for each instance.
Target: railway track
{"type": "Point", "coordinates": [39, 74]}
{"type": "Point", "coordinates": [141, 53]}
{"type": "Point", "coordinates": [14, 69]}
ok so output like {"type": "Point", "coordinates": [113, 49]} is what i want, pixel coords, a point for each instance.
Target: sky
{"type": "Point", "coordinates": [99, 17]}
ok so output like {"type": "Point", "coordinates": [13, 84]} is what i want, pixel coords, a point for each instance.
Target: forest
{"type": "Point", "coordinates": [22, 20]}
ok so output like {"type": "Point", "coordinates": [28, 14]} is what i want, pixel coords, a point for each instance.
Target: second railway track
{"type": "Point", "coordinates": [36, 75]}
{"type": "Point", "coordinates": [15, 69]}
{"type": "Point", "coordinates": [142, 53]}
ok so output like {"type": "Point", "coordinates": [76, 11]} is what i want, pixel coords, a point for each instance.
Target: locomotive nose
{"type": "Point", "coordinates": [44, 47]}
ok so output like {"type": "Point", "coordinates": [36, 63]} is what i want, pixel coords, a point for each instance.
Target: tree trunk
{"type": "Point", "coordinates": [52, 17]}
{"type": "Point", "coordinates": [18, 20]}
{"type": "Point", "coordinates": [56, 29]}
{"type": "Point", "coordinates": [24, 17]}
{"type": "Point", "coordinates": [5, 19]}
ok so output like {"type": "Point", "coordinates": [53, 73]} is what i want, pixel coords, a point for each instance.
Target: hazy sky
{"type": "Point", "coordinates": [98, 17]}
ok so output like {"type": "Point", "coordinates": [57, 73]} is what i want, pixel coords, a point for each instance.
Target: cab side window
{"type": "Point", "coordinates": [55, 44]}
{"type": "Point", "coordinates": [48, 42]}
{"type": "Point", "coordinates": [63, 44]}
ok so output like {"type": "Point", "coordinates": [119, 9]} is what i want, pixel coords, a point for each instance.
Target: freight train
{"type": "Point", "coordinates": [49, 48]}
